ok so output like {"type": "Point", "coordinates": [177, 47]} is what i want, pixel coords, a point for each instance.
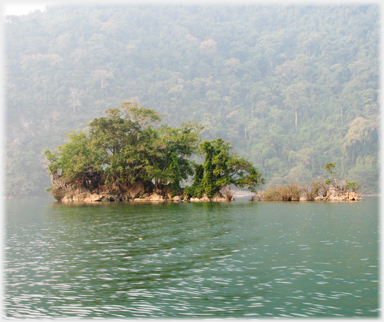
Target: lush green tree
{"type": "Point", "coordinates": [223, 168]}
{"type": "Point", "coordinates": [123, 148]}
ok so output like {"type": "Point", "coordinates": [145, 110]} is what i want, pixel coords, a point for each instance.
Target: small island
{"type": "Point", "coordinates": [126, 157]}
{"type": "Point", "coordinates": [334, 189]}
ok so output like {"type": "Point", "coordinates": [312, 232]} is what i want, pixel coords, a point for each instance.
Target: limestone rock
{"type": "Point", "coordinates": [176, 198]}
{"type": "Point", "coordinates": [155, 197]}
{"type": "Point", "coordinates": [194, 200]}
{"type": "Point", "coordinates": [67, 198]}
{"type": "Point", "coordinates": [340, 196]}
{"type": "Point", "coordinates": [205, 198]}
{"type": "Point", "coordinates": [137, 189]}
{"type": "Point", "coordinates": [149, 198]}
{"type": "Point", "coordinates": [140, 199]}
{"type": "Point", "coordinates": [344, 196]}
{"type": "Point", "coordinates": [79, 197]}
{"type": "Point", "coordinates": [110, 198]}
{"type": "Point", "coordinates": [218, 198]}
{"type": "Point", "coordinates": [94, 198]}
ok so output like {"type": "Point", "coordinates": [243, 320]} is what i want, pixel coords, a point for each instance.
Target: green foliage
{"type": "Point", "coordinates": [123, 148]}
{"type": "Point", "coordinates": [208, 182]}
{"type": "Point", "coordinates": [352, 186]}
{"type": "Point", "coordinates": [345, 186]}
{"type": "Point", "coordinates": [223, 168]}
{"type": "Point", "coordinates": [330, 167]}
{"type": "Point", "coordinates": [197, 188]}
{"type": "Point", "coordinates": [289, 87]}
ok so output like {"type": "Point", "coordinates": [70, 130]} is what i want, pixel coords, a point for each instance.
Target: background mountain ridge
{"type": "Point", "coordinates": [292, 87]}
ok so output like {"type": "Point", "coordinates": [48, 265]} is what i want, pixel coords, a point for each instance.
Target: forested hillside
{"type": "Point", "coordinates": [291, 87]}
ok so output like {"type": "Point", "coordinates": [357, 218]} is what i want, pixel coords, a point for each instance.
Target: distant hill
{"type": "Point", "coordinates": [292, 87]}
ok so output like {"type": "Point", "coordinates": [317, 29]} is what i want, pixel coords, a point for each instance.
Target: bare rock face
{"type": "Point", "coordinates": [96, 197]}
{"type": "Point", "coordinates": [88, 197]}
{"type": "Point", "coordinates": [218, 198]}
{"type": "Point", "coordinates": [59, 194]}
{"type": "Point", "coordinates": [205, 198]}
{"type": "Point", "coordinates": [138, 193]}
{"type": "Point", "coordinates": [110, 198]}
{"type": "Point", "coordinates": [67, 198]}
{"type": "Point", "coordinates": [137, 189]}
{"type": "Point", "coordinates": [140, 199]}
{"type": "Point", "coordinates": [155, 197]}
{"type": "Point", "coordinates": [151, 198]}
{"type": "Point", "coordinates": [194, 200]}
{"type": "Point", "coordinates": [344, 196]}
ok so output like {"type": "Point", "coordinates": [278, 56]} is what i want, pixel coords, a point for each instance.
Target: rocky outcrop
{"type": "Point", "coordinates": [137, 193]}
{"type": "Point", "coordinates": [340, 196]}
{"type": "Point", "coordinates": [136, 190]}
{"type": "Point", "coordinates": [151, 198]}
{"type": "Point", "coordinates": [194, 200]}
{"type": "Point", "coordinates": [219, 198]}
{"type": "Point", "coordinates": [343, 196]}
{"type": "Point", "coordinates": [89, 197]}
{"type": "Point", "coordinates": [204, 198]}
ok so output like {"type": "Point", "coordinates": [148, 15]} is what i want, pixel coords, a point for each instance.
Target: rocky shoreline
{"type": "Point", "coordinates": [88, 197]}
{"type": "Point", "coordinates": [340, 196]}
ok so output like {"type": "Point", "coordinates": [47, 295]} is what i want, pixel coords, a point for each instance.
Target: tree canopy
{"type": "Point", "coordinates": [221, 169]}
{"type": "Point", "coordinates": [124, 148]}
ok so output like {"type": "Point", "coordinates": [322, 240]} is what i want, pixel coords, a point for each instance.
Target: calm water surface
{"type": "Point", "coordinates": [194, 260]}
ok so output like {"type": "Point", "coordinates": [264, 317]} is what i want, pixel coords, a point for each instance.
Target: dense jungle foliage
{"type": "Point", "coordinates": [122, 151]}
{"type": "Point", "coordinates": [292, 87]}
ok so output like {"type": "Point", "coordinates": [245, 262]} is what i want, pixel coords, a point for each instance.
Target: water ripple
{"type": "Point", "coordinates": [229, 260]}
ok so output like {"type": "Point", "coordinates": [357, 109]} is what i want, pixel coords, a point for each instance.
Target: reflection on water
{"type": "Point", "coordinates": [193, 260]}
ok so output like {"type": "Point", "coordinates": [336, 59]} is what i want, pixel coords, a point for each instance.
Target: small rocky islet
{"type": "Point", "coordinates": [125, 156]}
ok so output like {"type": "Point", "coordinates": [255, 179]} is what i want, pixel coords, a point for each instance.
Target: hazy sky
{"type": "Point", "coordinates": [22, 7]}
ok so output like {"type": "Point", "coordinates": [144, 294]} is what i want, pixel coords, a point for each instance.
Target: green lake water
{"type": "Point", "coordinates": [191, 260]}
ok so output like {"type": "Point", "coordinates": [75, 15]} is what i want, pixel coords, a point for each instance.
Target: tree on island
{"type": "Point", "coordinates": [124, 154]}
{"type": "Point", "coordinates": [345, 186]}
{"type": "Point", "coordinates": [316, 190]}
{"type": "Point", "coordinates": [221, 169]}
